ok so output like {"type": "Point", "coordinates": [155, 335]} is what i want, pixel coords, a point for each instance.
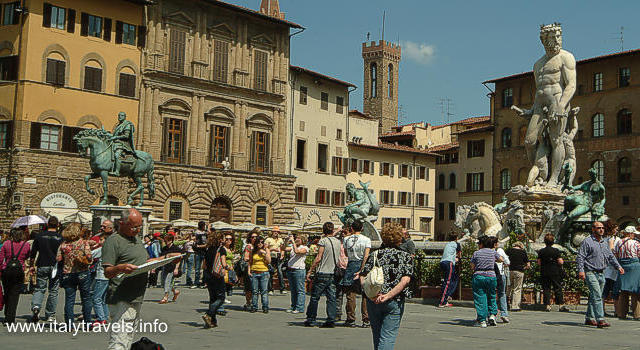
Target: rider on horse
{"type": "Point", "coordinates": [122, 142]}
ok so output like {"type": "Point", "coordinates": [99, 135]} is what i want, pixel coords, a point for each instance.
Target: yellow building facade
{"type": "Point", "coordinates": [65, 65]}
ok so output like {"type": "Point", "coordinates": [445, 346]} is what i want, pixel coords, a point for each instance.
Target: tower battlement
{"type": "Point", "coordinates": [382, 45]}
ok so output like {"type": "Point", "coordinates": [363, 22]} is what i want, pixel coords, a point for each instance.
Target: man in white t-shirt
{"type": "Point", "coordinates": [357, 247]}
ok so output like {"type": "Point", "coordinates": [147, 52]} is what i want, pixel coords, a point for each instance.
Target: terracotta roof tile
{"type": "Point", "coordinates": [320, 75]}
{"type": "Point", "coordinates": [476, 129]}
{"type": "Point", "coordinates": [399, 133]}
{"type": "Point", "coordinates": [445, 147]}
{"type": "Point", "coordinates": [586, 60]}
{"type": "Point", "coordinates": [467, 121]}
{"type": "Point", "coordinates": [385, 146]}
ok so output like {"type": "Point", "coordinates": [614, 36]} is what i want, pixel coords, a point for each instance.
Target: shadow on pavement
{"type": "Point", "coordinates": [563, 323]}
{"type": "Point", "coordinates": [460, 322]}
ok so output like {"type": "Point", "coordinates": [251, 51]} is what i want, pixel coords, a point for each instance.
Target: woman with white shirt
{"type": "Point", "coordinates": [296, 271]}
{"type": "Point", "coordinates": [502, 283]}
{"type": "Point", "coordinates": [627, 251]}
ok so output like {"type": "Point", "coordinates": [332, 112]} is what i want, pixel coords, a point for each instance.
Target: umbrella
{"type": "Point", "coordinates": [184, 223]}
{"type": "Point", "coordinates": [221, 225]}
{"type": "Point", "coordinates": [29, 220]}
{"type": "Point", "coordinates": [246, 226]}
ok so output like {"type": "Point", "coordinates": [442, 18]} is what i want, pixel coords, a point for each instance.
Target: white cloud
{"type": "Point", "coordinates": [419, 52]}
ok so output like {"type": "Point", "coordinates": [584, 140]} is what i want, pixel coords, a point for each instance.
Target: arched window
{"type": "Point", "coordinates": [441, 182]}
{"type": "Point", "coordinates": [599, 166]}
{"type": "Point", "coordinates": [55, 73]}
{"type": "Point", "coordinates": [390, 81]}
{"type": "Point", "coordinates": [624, 122]}
{"type": "Point", "coordinates": [506, 138]}
{"type": "Point", "coordinates": [505, 179]}
{"type": "Point", "coordinates": [624, 170]}
{"type": "Point", "coordinates": [598, 125]}
{"type": "Point", "coordinates": [522, 132]}
{"type": "Point", "coordinates": [452, 181]}
{"type": "Point", "coordinates": [374, 80]}
{"type": "Point", "coordinates": [127, 82]}
{"type": "Point", "coordinates": [93, 76]}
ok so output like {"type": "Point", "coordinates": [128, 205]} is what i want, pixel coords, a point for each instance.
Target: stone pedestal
{"type": "Point", "coordinates": [540, 205]}
{"type": "Point", "coordinates": [114, 213]}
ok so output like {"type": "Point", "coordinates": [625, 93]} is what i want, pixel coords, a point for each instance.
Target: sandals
{"type": "Point", "coordinates": [175, 295]}
{"type": "Point", "coordinates": [163, 301]}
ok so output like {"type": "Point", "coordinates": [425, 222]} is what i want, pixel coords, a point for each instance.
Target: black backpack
{"type": "Point", "coordinates": [146, 344]}
{"type": "Point", "coordinates": [14, 271]}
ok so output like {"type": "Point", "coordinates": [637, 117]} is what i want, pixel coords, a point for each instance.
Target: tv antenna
{"type": "Point", "coordinates": [446, 107]}
{"type": "Point", "coordinates": [384, 17]}
{"type": "Point", "coordinates": [621, 38]}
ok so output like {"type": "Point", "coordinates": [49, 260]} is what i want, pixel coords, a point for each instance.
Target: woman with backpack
{"type": "Point", "coordinates": [12, 256]}
{"type": "Point", "coordinates": [75, 254]}
{"type": "Point", "coordinates": [214, 269]}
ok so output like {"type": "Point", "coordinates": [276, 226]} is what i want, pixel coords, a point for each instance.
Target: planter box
{"type": "Point", "coordinates": [428, 292]}
{"type": "Point", "coordinates": [570, 298]}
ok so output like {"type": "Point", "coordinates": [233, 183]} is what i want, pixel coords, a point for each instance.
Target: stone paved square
{"type": "Point", "coordinates": [423, 327]}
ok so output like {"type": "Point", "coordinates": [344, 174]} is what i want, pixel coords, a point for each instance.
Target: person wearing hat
{"type": "Point", "coordinates": [627, 251]}
{"type": "Point", "coordinates": [169, 271]}
{"type": "Point", "coordinates": [275, 243]}
{"type": "Point", "coordinates": [519, 262]}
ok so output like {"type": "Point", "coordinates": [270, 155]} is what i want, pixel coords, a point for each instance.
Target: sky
{"type": "Point", "coordinates": [450, 47]}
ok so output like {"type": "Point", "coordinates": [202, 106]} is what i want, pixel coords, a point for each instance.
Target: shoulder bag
{"type": "Point", "coordinates": [338, 272]}
{"type": "Point", "coordinates": [374, 280]}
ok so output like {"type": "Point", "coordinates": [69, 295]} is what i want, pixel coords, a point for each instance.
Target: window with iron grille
{"type": "Point", "coordinates": [221, 61]}
{"type": "Point", "coordinates": [303, 95]}
{"type": "Point", "coordinates": [177, 42]}
{"type": "Point", "coordinates": [127, 85]}
{"type": "Point", "coordinates": [507, 97]}
{"type": "Point", "coordinates": [55, 71]}
{"type": "Point", "coordinates": [324, 101]}
{"type": "Point", "coordinates": [339, 104]}
{"type": "Point", "coordinates": [597, 82]}
{"type": "Point", "coordinates": [261, 215]}
{"type": "Point", "coordinates": [92, 78]}
{"type": "Point", "coordinates": [219, 145]}
{"type": "Point", "coordinates": [260, 69]}
{"type": "Point", "coordinates": [175, 210]}
{"type": "Point", "coordinates": [624, 76]}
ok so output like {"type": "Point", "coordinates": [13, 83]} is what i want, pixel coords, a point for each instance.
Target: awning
{"type": "Point", "coordinates": [66, 215]}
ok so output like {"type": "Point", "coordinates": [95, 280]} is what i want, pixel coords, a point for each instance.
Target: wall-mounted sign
{"type": "Point", "coordinates": [30, 180]}
{"type": "Point", "coordinates": [58, 200]}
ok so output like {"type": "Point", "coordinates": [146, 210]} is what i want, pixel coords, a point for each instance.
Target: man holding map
{"type": "Point", "coordinates": [122, 254]}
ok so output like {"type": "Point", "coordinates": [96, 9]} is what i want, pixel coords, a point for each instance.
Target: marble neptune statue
{"type": "Point", "coordinates": [547, 135]}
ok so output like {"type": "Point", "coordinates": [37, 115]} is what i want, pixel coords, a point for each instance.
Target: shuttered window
{"type": "Point", "coordinates": [92, 78]}
{"type": "Point", "coordinates": [127, 85]}
{"type": "Point", "coordinates": [177, 44]}
{"type": "Point", "coordinates": [260, 159]}
{"type": "Point", "coordinates": [301, 194]}
{"type": "Point", "coordinates": [68, 145]}
{"type": "Point", "coordinates": [260, 68]}
{"type": "Point", "coordinates": [174, 140]}
{"type": "Point", "coordinates": [55, 71]}
{"type": "Point", "coordinates": [221, 61]}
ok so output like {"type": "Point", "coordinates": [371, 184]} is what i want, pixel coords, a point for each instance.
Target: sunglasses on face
{"type": "Point", "coordinates": [229, 238]}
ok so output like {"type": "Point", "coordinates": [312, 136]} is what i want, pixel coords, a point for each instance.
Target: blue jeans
{"type": "Point", "coordinates": [187, 266]}
{"type": "Point", "coordinates": [595, 283]}
{"type": "Point", "coordinates": [72, 282]}
{"type": "Point", "coordinates": [198, 259]}
{"type": "Point", "coordinates": [502, 296]}
{"type": "Point", "coordinates": [99, 299]}
{"type": "Point", "coordinates": [260, 285]}
{"type": "Point", "coordinates": [323, 284]}
{"type": "Point", "coordinates": [484, 296]}
{"type": "Point", "coordinates": [296, 283]}
{"type": "Point", "coordinates": [385, 321]}
{"type": "Point", "coordinates": [450, 281]}
{"type": "Point", "coordinates": [43, 278]}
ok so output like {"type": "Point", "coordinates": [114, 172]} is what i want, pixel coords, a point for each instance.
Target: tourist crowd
{"type": "Point", "coordinates": [341, 263]}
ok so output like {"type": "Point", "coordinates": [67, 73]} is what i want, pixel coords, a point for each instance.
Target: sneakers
{"type": "Point", "coordinates": [283, 292]}
{"type": "Point", "coordinates": [445, 305]}
{"type": "Point", "coordinates": [482, 324]}
{"type": "Point", "coordinates": [227, 301]}
{"type": "Point", "coordinates": [547, 308]}
{"type": "Point", "coordinates": [271, 293]}
{"type": "Point", "coordinates": [492, 321]}
{"type": "Point", "coordinates": [349, 323]}
{"type": "Point", "coordinates": [289, 311]}
{"type": "Point", "coordinates": [295, 312]}
{"type": "Point", "coordinates": [35, 317]}
{"type": "Point", "coordinates": [366, 324]}
{"type": "Point", "coordinates": [504, 319]}
{"type": "Point", "coordinates": [51, 319]}
{"type": "Point", "coordinates": [193, 287]}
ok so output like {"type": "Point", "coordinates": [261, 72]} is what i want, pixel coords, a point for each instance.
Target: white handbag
{"type": "Point", "coordinates": [374, 280]}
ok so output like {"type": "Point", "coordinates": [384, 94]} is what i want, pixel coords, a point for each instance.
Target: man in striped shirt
{"type": "Point", "coordinates": [592, 258]}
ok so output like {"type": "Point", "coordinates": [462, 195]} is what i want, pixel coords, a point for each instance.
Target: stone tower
{"type": "Point", "coordinates": [381, 63]}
